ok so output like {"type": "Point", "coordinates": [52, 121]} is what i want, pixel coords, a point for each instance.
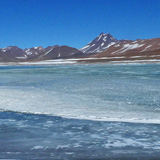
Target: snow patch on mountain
{"type": "Point", "coordinates": [24, 57]}
{"type": "Point", "coordinates": [47, 52]}
{"type": "Point", "coordinates": [146, 48]}
{"type": "Point", "coordinates": [127, 47]}
{"type": "Point", "coordinates": [4, 50]}
{"type": "Point", "coordinates": [28, 52]}
{"type": "Point", "coordinates": [111, 44]}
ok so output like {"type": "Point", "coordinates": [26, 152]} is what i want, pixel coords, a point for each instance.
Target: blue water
{"type": "Point", "coordinates": [80, 112]}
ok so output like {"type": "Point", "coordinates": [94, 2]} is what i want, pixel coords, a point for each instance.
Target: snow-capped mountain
{"type": "Point", "coordinates": [139, 47]}
{"type": "Point", "coordinates": [99, 44]}
{"type": "Point", "coordinates": [102, 47]}
{"type": "Point", "coordinates": [107, 48]}
{"type": "Point", "coordinates": [15, 54]}
{"type": "Point", "coordinates": [140, 50]}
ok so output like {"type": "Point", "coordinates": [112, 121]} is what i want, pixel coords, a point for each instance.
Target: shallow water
{"type": "Point", "coordinates": [107, 95]}
{"type": "Point", "coordinates": [103, 92]}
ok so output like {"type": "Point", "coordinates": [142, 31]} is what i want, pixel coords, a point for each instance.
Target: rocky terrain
{"type": "Point", "coordinates": [122, 50]}
{"type": "Point", "coordinates": [102, 49]}
{"type": "Point", "coordinates": [15, 54]}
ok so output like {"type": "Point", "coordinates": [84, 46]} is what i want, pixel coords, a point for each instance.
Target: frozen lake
{"type": "Point", "coordinates": [59, 112]}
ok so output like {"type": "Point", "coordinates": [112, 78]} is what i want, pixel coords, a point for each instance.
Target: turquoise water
{"type": "Point", "coordinates": [80, 112]}
{"type": "Point", "coordinates": [100, 92]}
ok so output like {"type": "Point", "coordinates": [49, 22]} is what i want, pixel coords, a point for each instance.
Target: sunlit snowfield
{"type": "Point", "coordinates": [87, 109]}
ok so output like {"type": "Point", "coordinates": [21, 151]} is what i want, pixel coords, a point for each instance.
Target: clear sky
{"type": "Point", "coordinates": [28, 23]}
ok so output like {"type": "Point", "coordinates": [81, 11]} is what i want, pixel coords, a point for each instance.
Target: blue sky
{"type": "Point", "coordinates": [28, 23]}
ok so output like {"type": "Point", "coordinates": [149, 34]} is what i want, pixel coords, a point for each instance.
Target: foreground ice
{"type": "Point", "coordinates": [40, 137]}
{"type": "Point", "coordinates": [127, 93]}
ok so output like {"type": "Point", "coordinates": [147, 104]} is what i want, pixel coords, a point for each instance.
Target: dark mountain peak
{"type": "Point", "coordinates": [34, 48]}
{"type": "Point", "coordinates": [12, 53]}
{"type": "Point", "coordinates": [105, 34]}
{"type": "Point", "coordinates": [51, 47]}
{"type": "Point", "coordinates": [102, 34]}
{"type": "Point", "coordinates": [99, 44]}
{"type": "Point", "coordinates": [11, 47]}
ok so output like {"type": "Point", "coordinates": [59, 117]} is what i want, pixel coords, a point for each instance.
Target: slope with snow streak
{"type": "Point", "coordinates": [147, 47]}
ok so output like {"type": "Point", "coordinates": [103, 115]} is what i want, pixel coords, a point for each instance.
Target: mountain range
{"type": "Point", "coordinates": [104, 47]}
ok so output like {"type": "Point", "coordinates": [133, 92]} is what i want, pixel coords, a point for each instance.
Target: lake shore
{"type": "Point", "coordinates": [91, 60]}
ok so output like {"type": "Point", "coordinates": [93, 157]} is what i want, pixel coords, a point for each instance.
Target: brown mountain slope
{"type": "Point", "coordinates": [142, 50]}
{"type": "Point", "coordinates": [148, 47]}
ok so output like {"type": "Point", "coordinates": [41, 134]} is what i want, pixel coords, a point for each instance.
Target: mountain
{"type": "Point", "coordinates": [34, 51]}
{"type": "Point", "coordinates": [12, 53]}
{"type": "Point", "coordinates": [15, 54]}
{"type": "Point", "coordinates": [103, 48]}
{"type": "Point", "coordinates": [99, 44]}
{"type": "Point", "coordinates": [145, 47]}
{"type": "Point", "coordinates": [140, 50]}
{"type": "Point", "coordinates": [55, 52]}
{"type": "Point", "coordinates": [107, 48]}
